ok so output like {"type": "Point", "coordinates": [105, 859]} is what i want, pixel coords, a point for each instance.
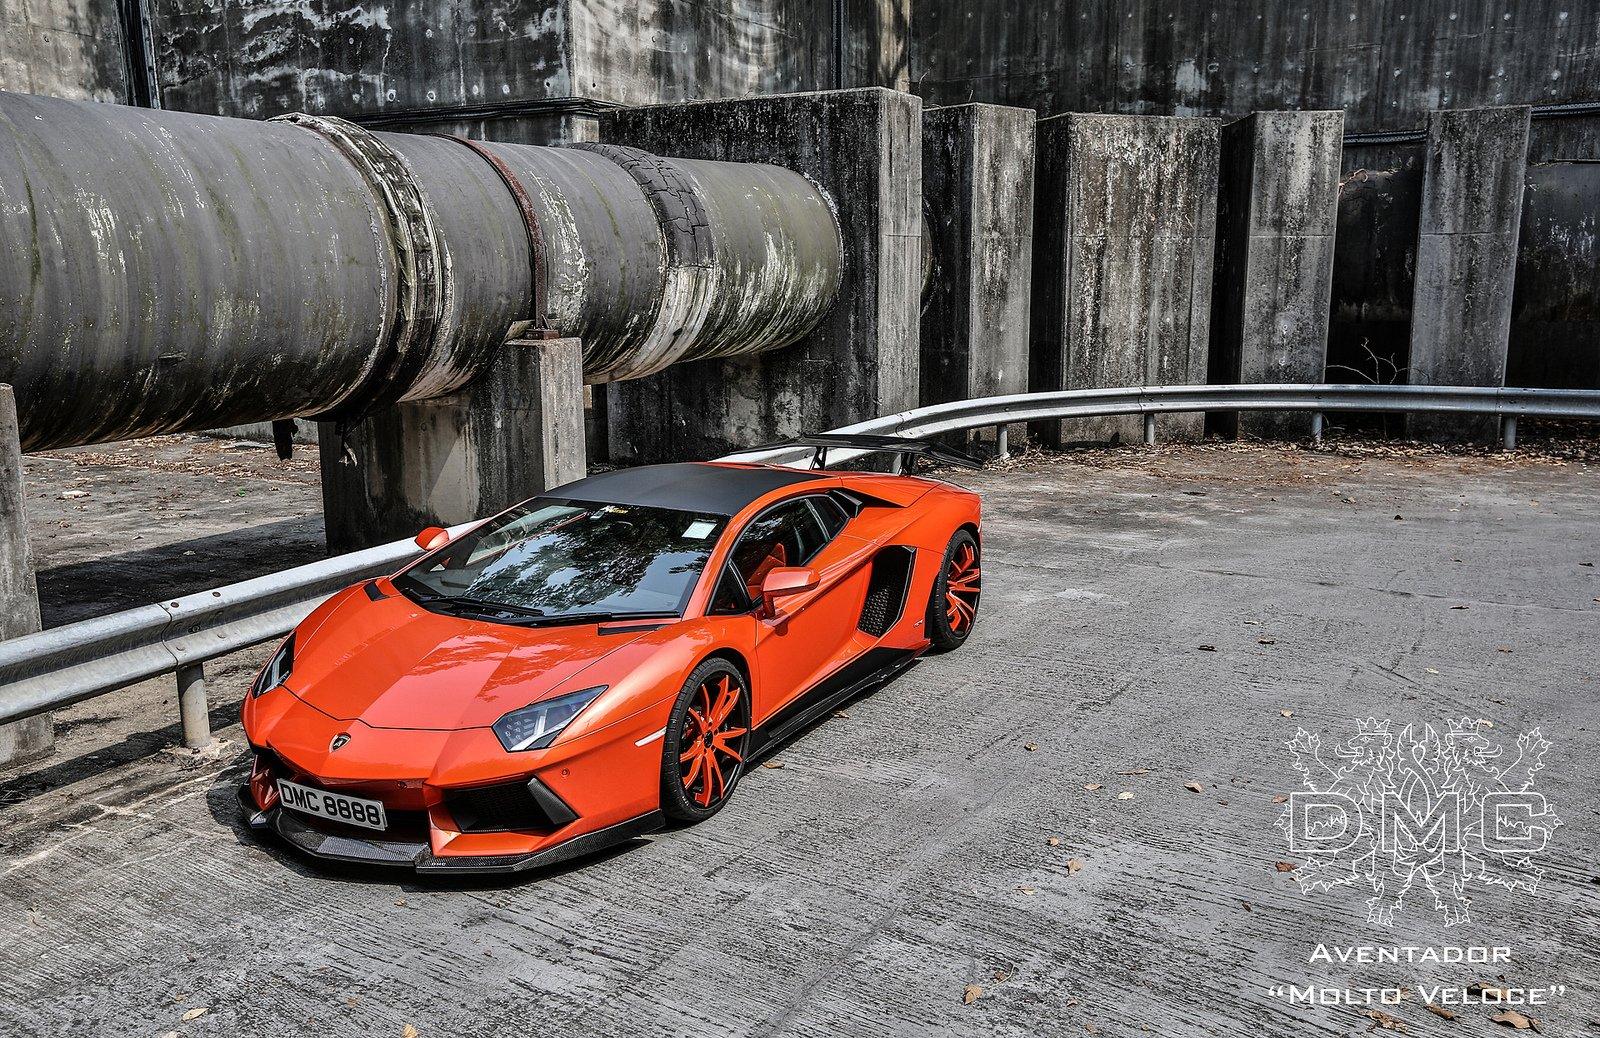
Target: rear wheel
{"type": "Point", "coordinates": [704, 747]}
{"type": "Point", "coordinates": [953, 608]}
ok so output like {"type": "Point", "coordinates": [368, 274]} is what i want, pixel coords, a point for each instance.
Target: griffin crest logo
{"type": "Point", "coordinates": [1418, 812]}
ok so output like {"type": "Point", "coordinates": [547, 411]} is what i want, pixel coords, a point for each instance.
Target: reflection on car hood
{"type": "Point", "coordinates": [393, 664]}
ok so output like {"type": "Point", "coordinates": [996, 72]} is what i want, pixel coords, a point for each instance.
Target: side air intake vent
{"type": "Point", "coordinates": [886, 590]}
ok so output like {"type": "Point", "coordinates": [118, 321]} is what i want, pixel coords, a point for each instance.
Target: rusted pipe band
{"type": "Point", "coordinates": [530, 223]}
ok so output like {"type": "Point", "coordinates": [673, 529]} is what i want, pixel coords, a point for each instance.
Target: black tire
{"type": "Point", "coordinates": [953, 611]}
{"type": "Point", "coordinates": [702, 795]}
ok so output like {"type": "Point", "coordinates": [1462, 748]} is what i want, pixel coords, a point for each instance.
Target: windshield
{"type": "Point", "coordinates": [551, 560]}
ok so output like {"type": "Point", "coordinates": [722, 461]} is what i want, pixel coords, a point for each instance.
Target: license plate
{"type": "Point", "coordinates": [334, 806]}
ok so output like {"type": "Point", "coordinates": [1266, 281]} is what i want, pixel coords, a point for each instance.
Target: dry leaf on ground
{"type": "Point", "coordinates": [772, 764]}
{"type": "Point", "coordinates": [1286, 713]}
{"type": "Point", "coordinates": [194, 1014]}
{"type": "Point", "coordinates": [971, 994]}
{"type": "Point", "coordinates": [1092, 786]}
{"type": "Point", "coordinates": [1194, 787]}
{"type": "Point", "coordinates": [1030, 746]}
{"type": "Point", "coordinates": [1512, 1018]}
{"type": "Point", "coordinates": [1280, 799]}
{"type": "Point", "coordinates": [1448, 1014]}
{"type": "Point", "coordinates": [1054, 841]}
{"type": "Point", "coordinates": [1126, 794]}
{"type": "Point", "coordinates": [1384, 1020]}
{"type": "Point", "coordinates": [1284, 866]}
{"type": "Point", "coordinates": [1073, 865]}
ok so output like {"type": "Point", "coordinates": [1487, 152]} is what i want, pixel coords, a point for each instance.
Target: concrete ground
{"type": "Point", "coordinates": [1000, 841]}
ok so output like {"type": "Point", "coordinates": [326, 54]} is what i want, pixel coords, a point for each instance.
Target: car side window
{"type": "Point", "coordinates": [831, 513]}
{"type": "Point", "coordinates": [789, 534]}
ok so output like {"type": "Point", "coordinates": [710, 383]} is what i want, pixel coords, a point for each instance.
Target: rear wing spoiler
{"type": "Point", "coordinates": [906, 451]}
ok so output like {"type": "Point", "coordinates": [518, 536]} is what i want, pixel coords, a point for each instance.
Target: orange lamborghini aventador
{"type": "Point", "coordinates": [593, 662]}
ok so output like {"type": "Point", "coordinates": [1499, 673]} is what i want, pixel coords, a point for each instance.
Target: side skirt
{"type": "Point", "coordinates": [873, 667]}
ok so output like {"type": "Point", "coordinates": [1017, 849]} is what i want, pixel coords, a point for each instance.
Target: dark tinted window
{"type": "Point", "coordinates": [730, 595]}
{"type": "Point", "coordinates": [787, 535]}
{"type": "Point", "coordinates": [549, 558]}
{"type": "Point", "coordinates": [831, 514]}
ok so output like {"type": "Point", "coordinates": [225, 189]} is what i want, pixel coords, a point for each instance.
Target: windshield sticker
{"type": "Point", "coordinates": [699, 530]}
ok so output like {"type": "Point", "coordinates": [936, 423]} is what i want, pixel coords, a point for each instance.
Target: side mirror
{"type": "Point", "coordinates": [433, 537]}
{"type": "Point", "coordinates": [782, 582]}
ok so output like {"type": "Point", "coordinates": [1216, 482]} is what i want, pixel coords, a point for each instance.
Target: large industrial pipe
{"type": "Point", "coordinates": [163, 272]}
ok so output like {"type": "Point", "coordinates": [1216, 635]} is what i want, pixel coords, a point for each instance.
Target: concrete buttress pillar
{"type": "Point", "coordinates": [512, 433]}
{"type": "Point", "coordinates": [1277, 207]}
{"type": "Point", "coordinates": [1124, 231]}
{"type": "Point", "coordinates": [863, 149]}
{"type": "Point", "coordinates": [31, 737]}
{"type": "Point", "coordinates": [977, 189]}
{"type": "Point", "coordinates": [1473, 180]}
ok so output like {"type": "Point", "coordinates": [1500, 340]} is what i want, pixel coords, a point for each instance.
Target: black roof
{"type": "Point", "coordinates": [689, 487]}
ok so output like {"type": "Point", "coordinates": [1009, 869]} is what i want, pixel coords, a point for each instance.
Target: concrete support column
{"type": "Point", "coordinates": [863, 148]}
{"type": "Point", "coordinates": [977, 190]}
{"type": "Point", "coordinates": [1124, 234]}
{"type": "Point", "coordinates": [31, 737]}
{"type": "Point", "coordinates": [1472, 188]}
{"type": "Point", "coordinates": [1277, 207]}
{"type": "Point", "coordinates": [511, 434]}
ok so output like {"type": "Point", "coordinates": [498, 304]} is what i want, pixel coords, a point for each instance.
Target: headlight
{"type": "Point", "coordinates": [276, 672]}
{"type": "Point", "coordinates": [536, 726]}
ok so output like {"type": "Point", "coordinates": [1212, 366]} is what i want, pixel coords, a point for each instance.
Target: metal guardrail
{"type": "Point", "coordinates": [1150, 401]}
{"type": "Point", "coordinates": [65, 665]}
{"type": "Point", "coordinates": [68, 664]}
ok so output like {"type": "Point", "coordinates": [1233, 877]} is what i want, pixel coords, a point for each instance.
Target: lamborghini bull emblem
{"type": "Point", "coordinates": [338, 741]}
{"type": "Point", "coordinates": [1418, 812]}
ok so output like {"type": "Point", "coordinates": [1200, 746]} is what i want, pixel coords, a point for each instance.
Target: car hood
{"type": "Point", "coordinates": [392, 664]}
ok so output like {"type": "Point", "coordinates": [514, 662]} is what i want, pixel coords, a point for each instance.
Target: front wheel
{"type": "Point", "coordinates": [953, 607]}
{"type": "Point", "coordinates": [707, 735]}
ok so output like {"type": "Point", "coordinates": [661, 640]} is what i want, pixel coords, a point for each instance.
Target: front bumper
{"type": "Point", "coordinates": [334, 843]}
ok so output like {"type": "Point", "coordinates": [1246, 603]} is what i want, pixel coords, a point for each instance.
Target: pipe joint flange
{"type": "Point", "coordinates": [688, 289]}
{"type": "Point", "coordinates": [423, 281]}
{"type": "Point", "coordinates": [684, 221]}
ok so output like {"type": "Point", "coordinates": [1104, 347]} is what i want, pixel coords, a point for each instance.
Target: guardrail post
{"type": "Point", "coordinates": [1508, 432]}
{"type": "Point", "coordinates": [1002, 442]}
{"type": "Point", "coordinates": [192, 706]}
{"type": "Point", "coordinates": [1149, 429]}
{"type": "Point", "coordinates": [1316, 427]}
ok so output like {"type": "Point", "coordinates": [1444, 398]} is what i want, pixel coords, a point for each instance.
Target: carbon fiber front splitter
{"type": "Point", "coordinates": [418, 856]}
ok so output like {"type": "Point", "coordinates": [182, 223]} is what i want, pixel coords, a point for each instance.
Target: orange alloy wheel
{"type": "Point", "coordinates": [710, 740]}
{"type": "Point", "coordinates": [961, 588]}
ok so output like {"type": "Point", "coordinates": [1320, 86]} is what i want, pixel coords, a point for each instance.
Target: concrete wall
{"type": "Point", "coordinates": [977, 190]}
{"type": "Point", "coordinates": [1555, 312]}
{"type": "Point", "coordinates": [1124, 233]}
{"type": "Point", "coordinates": [424, 59]}
{"type": "Point", "coordinates": [1386, 62]}
{"type": "Point", "coordinates": [63, 48]}
{"type": "Point", "coordinates": [1275, 218]}
{"type": "Point", "coordinates": [863, 149]}
{"type": "Point", "coordinates": [1471, 213]}
{"type": "Point", "coordinates": [19, 594]}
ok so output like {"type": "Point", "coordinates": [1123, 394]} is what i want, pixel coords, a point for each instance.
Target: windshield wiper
{"type": "Point", "coordinates": [555, 619]}
{"type": "Point", "coordinates": [480, 605]}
